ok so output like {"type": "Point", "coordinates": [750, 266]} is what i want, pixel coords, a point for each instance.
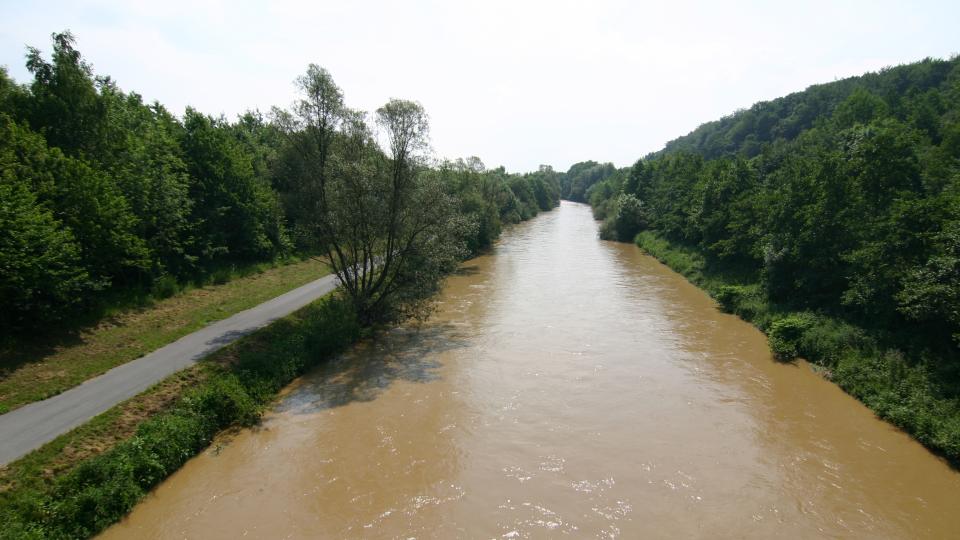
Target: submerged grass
{"type": "Point", "coordinates": [49, 494]}
{"type": "Point", "coordinates": [32, 372]}
{"type": "Point", "coordinates": [906, 391]}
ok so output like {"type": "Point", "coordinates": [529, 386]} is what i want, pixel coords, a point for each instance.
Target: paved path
{"type": "Point", "coordinates": [30, 426]}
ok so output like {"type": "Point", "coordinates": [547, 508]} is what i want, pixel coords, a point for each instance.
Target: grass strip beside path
{"type": "Point", "coordinates": [35, 373]}
{"type": "Point", "coordinates": [100, 434]}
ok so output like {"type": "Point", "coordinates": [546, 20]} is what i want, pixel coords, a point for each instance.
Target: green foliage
{"type": "Point", "coordinates": [129, 199]}
{"type": "Point", "coordinates": [40, 277]}
{"type": "Point", "coordinates": [725, 213]}
{"type": "Point", "coordinates": [580, 177]}
{"type": "Point", "coordinates": [626, 216]}
{"type": "Point", "coordinates": [828, 218]}
{"type": "Point", "coordinates": [221, 275]}
{"type": "Point", "coordinates": [133, 201]}
{"type": "Point", "coordinates": [827, 340]}
{"type": "Point", "coordinates": [845, 208]}
{"type": "Point", "coordinates": [786, 333]}
{"type": "Point", "coordinates": [916, 394]}
{"type": "Point", "coordinates": [489, 197]}
{"type": "Point", "coordinates": [85, 200]}
{"type": "Point", "coordinates": [783, 119]}
{"type": "Point", "coordinates": [64, 104]}
{"type": "Point", "coordinates": [148, 166]}
{"type": "Point", "coordinates": [165, 287]}
{"type": "Point", "coordinates": [631, 216]}
{"type": "Point", "coordinates": [685, 260]}
{"type": "Point", "coordinates": [908, 395]}
{"type": "Point", "coordinates": [931, 292]}
{"type": "Point", "coordinates": [729, 297]}
{"type": "Point", "coordinates": [225, 401]}
{"type": "Point", "coordinates": [861, 107]}
{"type": "Point", "coordinates": [238, 213]}
{"type": "Point", "coordinates": [101, 490]}
{"type": "Point", "coordinates": [391, 226]}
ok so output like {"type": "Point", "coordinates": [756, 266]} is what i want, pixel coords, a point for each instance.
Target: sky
{"type": "Point", "coordinates": [517, 83]}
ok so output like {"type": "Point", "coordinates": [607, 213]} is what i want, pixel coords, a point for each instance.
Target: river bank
{"type": "Point", "coordinates": [898, 389]}
{"type": "Point", "coordinates": [51, 495]}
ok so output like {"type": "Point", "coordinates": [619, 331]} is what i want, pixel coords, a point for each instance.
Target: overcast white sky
{"type": "Point", "coordinates": [516, 83]}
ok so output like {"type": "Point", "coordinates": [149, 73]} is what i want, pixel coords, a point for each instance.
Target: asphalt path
{"type": "Point", "coordinates": [33, 425]}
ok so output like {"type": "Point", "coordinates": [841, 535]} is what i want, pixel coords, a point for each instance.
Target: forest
{"type": "Point", "coordinates": [105, 199]}
{"type": "Point", "coordinates": [830, 218]}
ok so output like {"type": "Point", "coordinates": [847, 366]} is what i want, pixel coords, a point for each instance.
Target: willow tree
{"type": "Point", "coordinates": [389, 229]}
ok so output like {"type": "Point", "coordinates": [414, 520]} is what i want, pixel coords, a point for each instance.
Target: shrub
{"type": "Point", "coordinates": [224, 401]}
{"type": "Point", "coordinates": [87, 500]}
{"type": "Point", "coordinates": [630, 218]}
{"type": "Point", "coordinates": [331, 328]}
{"type": "Point", "coordinates": [826, 340]}
{"type": "Point", "coordinates": [167, 442]}
{"type": "Point", "coordinates": [729, 296]}
{"type": "Point", "coordinates": [608, 230]}
{"type": "Point", "coordinates": [786, 333]}
{"type": "Point", "coordinates": [164, 287]}
{"type": "Point", "coordinates": [221, 276]}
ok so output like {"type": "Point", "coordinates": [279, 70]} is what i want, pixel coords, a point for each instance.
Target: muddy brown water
{"type": "Point", "coordinates": [566, 387]}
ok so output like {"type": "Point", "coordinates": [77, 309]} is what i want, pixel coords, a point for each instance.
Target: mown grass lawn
{"type": "Point", "coordinates": [36, 372]}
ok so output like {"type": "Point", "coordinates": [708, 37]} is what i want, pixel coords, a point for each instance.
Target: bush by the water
{"type": "Point", "coordinates": [729, 296]}
{"type": "Point", "coordinates": [785, 335]}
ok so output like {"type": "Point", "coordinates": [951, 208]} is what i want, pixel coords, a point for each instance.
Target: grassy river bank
{"type": "Point", "coordinates": [899, 388]}
{"type": "Point", "coordinates": [89, 478]}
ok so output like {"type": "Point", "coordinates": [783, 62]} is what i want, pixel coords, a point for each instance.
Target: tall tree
{"type": "Point", "coordinates": [42, 276]}
{"type": "Point", "coordinates": [389, 229]}
{"type": "Point", "coordinates": [65, 106]}
{"type": "Point", "coordinates": [238, 214]}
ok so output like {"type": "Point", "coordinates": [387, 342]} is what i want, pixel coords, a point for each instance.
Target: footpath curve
{"type": "Point", "coordinates": [33, 425]}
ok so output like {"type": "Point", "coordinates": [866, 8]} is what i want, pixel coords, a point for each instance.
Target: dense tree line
{"type": "Point", "coordinates": [580, 177]}
{"type": "Point", "coordinates": [103, 195]}
{"type": "Point", "coordinates": [841, 202]}
{"type": "Point", "coordinates": [495, 198]}
{"type": "Point", "coordinates": [911, 92]}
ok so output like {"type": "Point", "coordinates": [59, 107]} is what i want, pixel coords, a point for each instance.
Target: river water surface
{"type": "Point", "coordinates": [566, 387]}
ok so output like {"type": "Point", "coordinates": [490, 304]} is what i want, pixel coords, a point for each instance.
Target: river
{"type": "Point", "coordinates": [565, 387]}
